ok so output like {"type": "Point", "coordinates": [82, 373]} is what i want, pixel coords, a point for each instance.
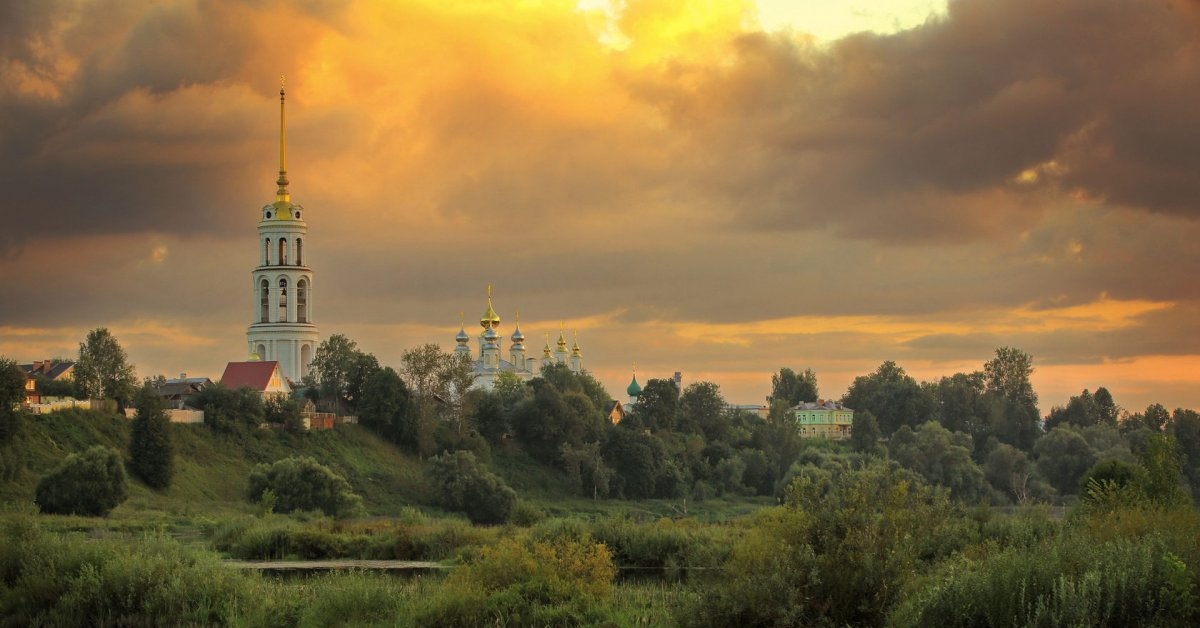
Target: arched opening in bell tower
{"type": "Point", "coordinates": [282, 301]}
{"type": "Point", "coordinates": [301, 299]}
{"type": "Point", "coordinates": [299, 252]}
{"type": "Point", "coordinates": [266, 260]}
{"type": "Point", "coordinates": [283, 251]}
{"type": "Point", "coordinates": [264, 300]}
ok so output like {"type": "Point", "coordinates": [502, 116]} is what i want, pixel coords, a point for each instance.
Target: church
{"type": "Point", "coordinates": [490, 363]}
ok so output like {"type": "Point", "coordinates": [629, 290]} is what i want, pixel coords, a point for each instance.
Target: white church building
{"type": "Point", "coordinates": [489, 362]}
{"type": "Point", "coordinates": [283, 329]}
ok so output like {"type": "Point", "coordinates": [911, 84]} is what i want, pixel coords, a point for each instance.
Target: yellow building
{"type": "Point", "coordinates": [823, 419]}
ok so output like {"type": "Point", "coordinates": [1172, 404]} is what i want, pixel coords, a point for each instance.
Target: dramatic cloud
{"type": "Point", "coordinates": [690, 191]}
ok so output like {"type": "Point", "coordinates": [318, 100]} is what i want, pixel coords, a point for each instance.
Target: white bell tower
{"type": "Point", "coordinates": [283, 328]}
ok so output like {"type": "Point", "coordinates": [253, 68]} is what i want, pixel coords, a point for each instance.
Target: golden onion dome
{"type": "Point", "coordinates": [490, 318]}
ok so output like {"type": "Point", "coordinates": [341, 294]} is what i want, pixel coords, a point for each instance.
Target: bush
{"type": "Point", "coordinates": [466, 486]}
{"type": "Point", "coordinates": [302, 483]}
{"type": "Point", "coordinates": [91, 483]}
{"type": "Point", "coordinates": [1067, 581]}
{"type": "Point", "coordinates": [59, 580]}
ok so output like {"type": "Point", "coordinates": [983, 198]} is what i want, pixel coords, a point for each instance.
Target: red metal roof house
{"type": "Point", "coordinates": [263, 376]}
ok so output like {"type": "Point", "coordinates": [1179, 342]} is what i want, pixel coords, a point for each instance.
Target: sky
{"type": "Point", "coordinates": [720, 188]}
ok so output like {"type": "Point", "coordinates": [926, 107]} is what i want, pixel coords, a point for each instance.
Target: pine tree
{"type": "Point", "coordinates": [150, 448]}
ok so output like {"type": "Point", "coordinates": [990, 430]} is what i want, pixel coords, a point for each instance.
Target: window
{"type": "Point", "coordinates": [266, 252]}
{"type": "Point", "coordinates": [283, 251]}
{"type": "Point", "coordinates": [264, 301]}
{"type": "Point", "coordinates": [301, 297]}
{"type": "Point", "coordinates": [282, 299]}
{"type": "Point", "coordinates": [299, 251]}
{"type": "Point", "coordinates": [262, 352]}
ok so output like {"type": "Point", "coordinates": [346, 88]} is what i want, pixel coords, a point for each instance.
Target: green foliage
{"type": "Point", "coordinates": [702, 410]}
{"type": "Point", "coordinates": [894, 398]}
{"type": "Point", "coordinates": [1164, 473]}
{"type": "Point", "coordinates": [58, 580]}
{"type": "Point", "coordinates": [387, 408]}
{"type": "Point", "coordinates": [585, 466]}
{"type": "Point", "coordinates": [961, 405]}
{"type": "Point", "coordinates": [56, 387]}
{"type": "Point", "coordinates": [1013, 412]}
{"type": "Point", "coordinates": [91, 483]}
{"type": "Point", "coordinates": [940, 457]}
{"type": "Point", "coordinates": [285, 412]}
{"type": "Point", "coordinates": [103, 370]}
{"type": "Point", "coordinates": [230, 411]}
{"type": "Point", "coordinates": [302, 483]}
{"type": "Point", "coordinates": [464, 485]}
{"type": "Point", "coordinates": [151, 451]}
{"type": "Point", "coordinates": [1065, 581]}
{"type": "Point", "coordinates": [1010, 471]}
{"type": "Point", "coordinates": [341, 371]}
{"type": "Point", "coordinates": [864, 433]}
{"type": "Point", "coordinates": [12, 391]}
{"type": "Point", "coordinates": [658, 405]}
{"type": "Point", "coordinates": [552, 417]}
{"type": "Point", "coordinates": [1185, 428]}
{"type": "Point", "coordinates": [1063, 456]}
{"type": "Point", "coordinates": [792, 387]}
{"type": "Point", "coordinates": [837, 554]}
{"type": "Point", "coordinates": [1085, 410]}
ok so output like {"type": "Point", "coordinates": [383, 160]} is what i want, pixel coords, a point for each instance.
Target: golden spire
{"type": "Point", "coordinates": [575, 346]}
{"type": "Point", "coordinates": [281, 195]}
{"type": "Point", "coordinates": [562, 342]}
{"type": "Point", "coordinates": [490, 318]}
{"type": "Point", "coordinates": [546, 351]}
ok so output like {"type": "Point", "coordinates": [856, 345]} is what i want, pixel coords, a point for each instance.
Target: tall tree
{"type": "Point", "coordinates": [702, 409]}
{"type": "Point", "coordinates": [658, 404]}
{"type": "Point", "coordinates": [792, 387]}
{"type": "Point", "coordinates": [103, 370]}
{"type": "Point", "coordinates": [941, 457]}
{"type": "Point", "coordinates": [892, 396]}
{"type": "Point", "coordinates": [864, 433]}
{"type": "Point", "coordinates": [12, 390]}
{"type": "Point", "coordinates": [1063, 456]}
{"type": "Point", "coordinates": [151, 452]}
{"type": "Point", "coordinates": [1008, 374]}
{"type": "Point", "coordinates": [341, 371]}
{"type": "Point", "coordinates": [1185, 428]}
{"type": "Point", "coordinates": [960, 404]}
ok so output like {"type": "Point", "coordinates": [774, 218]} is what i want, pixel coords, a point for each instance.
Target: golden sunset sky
{"type": "Point", "coordinates": [719, 188]}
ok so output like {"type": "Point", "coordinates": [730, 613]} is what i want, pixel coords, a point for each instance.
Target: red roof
{"type": "Point", "coordinates": [256, 375]}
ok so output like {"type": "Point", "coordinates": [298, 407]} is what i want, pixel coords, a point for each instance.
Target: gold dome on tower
{"type": "Point", "coordinates": [490, 319]}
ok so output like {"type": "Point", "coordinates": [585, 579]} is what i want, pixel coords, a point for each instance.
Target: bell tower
{"type": "Point", "coordinates": [283, 329]}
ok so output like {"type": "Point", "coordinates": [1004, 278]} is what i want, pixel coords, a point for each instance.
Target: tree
{"type": "Point", "coordinates": [151, 451]}
{"type": "Point", "coordinates": [1009, 470]}
{"type": "Point", "coordinates": [793, 388]}
{"type": "Point", "coordinates": [1155, 418]}
{"type": "Point", "coordinates": [658, 404]}
{"type": "Point", "coordinates": [91, 483]}
{"type": "Point", "coordinates": [302, 483]}
{"type": "Point", "coordinates": [285, 412]}
{"type": "Point", "coordinates": [1185, 428]}
{"type": "Point", "coordinates": [1008, 374]}
{"type": "Point", "coordinates": [940, 456]}
{"type": "Point", "coordinates": [12, 391]}
{"type": "Point", "coordinates": [634, 457]}
{"type": "Point", "coordinates": [439, 382]}
{"type": "Point", "coordinates": [892, 396]}
{"type": "Point", "coordinates": [341, 371]}
{"type": "Point", "coordinates": [1063, 456]}
{"type": "Point", "coordinates": [702, 409]}
{"type": "Point", "coordinates": [585, 466]}
{"type": "Point", "coordinates": [864, 433]}
{"type": "Point", "coordinates": [103, 370]}
{"type": "Point", "coordinates": [779, 438]}
{"type": "Point", "coordinates": [550, 418]}
{"type": "Point", "coordinates": [228, 410]}
{"type": "Point", "coordinates": [386, 408]}
{"type": "Point", "coordinates": [1164, 472]}
{"type": "Point", "coordinates": [960, 404]}
{"type": "Point", "coordinates": [467, 486]}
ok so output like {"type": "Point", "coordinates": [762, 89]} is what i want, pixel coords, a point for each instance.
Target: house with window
{"type": "Point", "coordinates": [48, 370]}
{"type": "Point", "coordinates": [823, 419]}
{"type": "Point", "coordinates": [263, 376]}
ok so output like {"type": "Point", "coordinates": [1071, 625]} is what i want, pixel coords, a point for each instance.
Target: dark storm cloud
{"type": "Point", "coordinates": [920, 135]}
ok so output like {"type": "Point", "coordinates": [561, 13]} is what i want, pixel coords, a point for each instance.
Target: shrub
{"type": "Point", "coordinates": [1067, 581]}
{"type": "Point", "coordinates": [91, 483]}
{"type": "Point", "coordinates": [836, 554]}
{"type": "Point", "coordinates": [466, 486]}
{"type": "Point", "coordinates": [302, 483]}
